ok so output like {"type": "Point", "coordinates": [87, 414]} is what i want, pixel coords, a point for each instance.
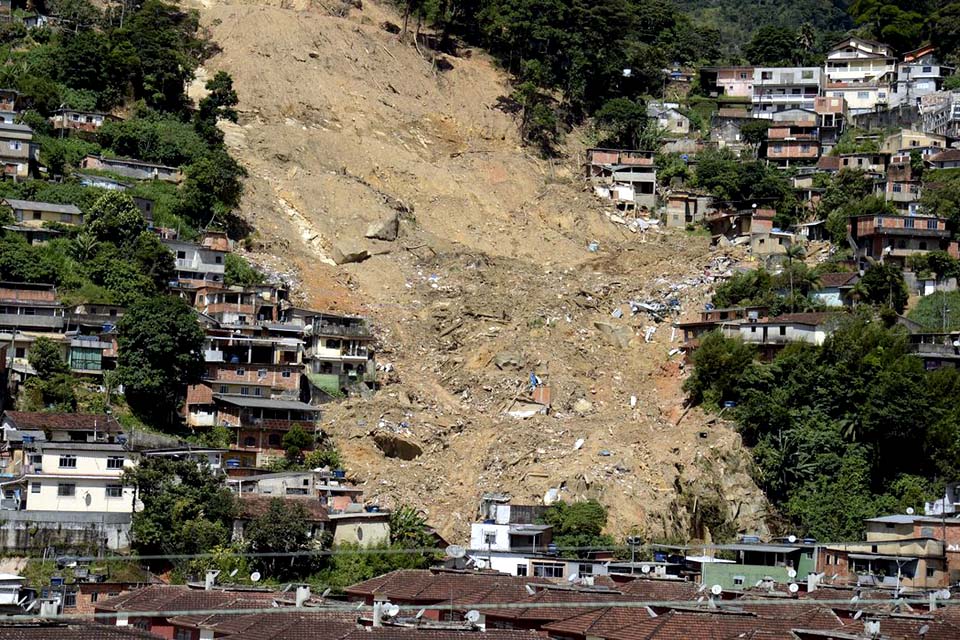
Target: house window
{"type": "Point", "coordinates": [244, 391]}
{"type": "Point", "coordinates": [218, 260]}
{"type": "Point", "coordinates": [115, 462]}
{"type": "Point", "coordinates": [249, 441]}
{"type": "Point", "coordinates": [241, 319]}
{"type": "Point", "coordinates": [863, 95]}
{"type": "Point", "coordinates": [181, 255]}
{"type": "Point", "coordinates": [257, 391]}
{"type": "Point", "coordinates": [183, 634]}
{"type": "Point", "coordinates": [15, 145]}
{"type": "Point", "coordinates": [66, 490]}
{"type": "Point", "coordinates": [931, 224]}
{"type": "Point", "coordinates": [489, 538]}
{"type": "Point", "coordinates": [804, 148]}
{"type": "Point", "coordinates": [114, 491]}
{"type": "Point", "coordinates": [927, 69]}
{"type": "Point", "coordinates": [37, 215]}
{"type": "Point", "coordinates": [778, 148]}
{"type": "Point", "coordinates": [20, 352]}
{"type": "Point", "coordinates": [585, 569]}
{"type": "Point", "coordinates": [547, 570]}
{"type": "Point", "coordinates": [521, 569]}
{"type": "Point", "coordinates": [333, 344]}
{"type": "Point", "coordinates": [241, 372]}
{"type": "Point", "coordinates": [766, 75]}
{"type": "Point", "coordinates": [897, 188]}
{"type": "Point", "coordinates": [261, 373]}
{"type": "Point", "coordinates": [930, 572]}
{"type": "Point", "coordinates": [783, 331]}
{"type": "Point", "coordinates": [285, 373]}
{"type": "Point", "coordinates": [837, 94]}
{"type": "Point", "coordinates": [922, 246]}
{"type": "Point", "coordinates": [94, 595]}
{"type": "Point", "coordinates": [224, 389]}
{"type": "Point", "coordinates": [908, 223]}
{"type": "Point", "coordinates": [70, 599]}
{"type": "Point", "coordinates": [738, 581]}
{"type": "Point", "coordinates": [795, 92]}
{"type": "Point", "coordinates": [274, 440]}
{"type": "Point", "coordinates": [68, 462]}
{"type": "Point", "coordinates": [35, 487]}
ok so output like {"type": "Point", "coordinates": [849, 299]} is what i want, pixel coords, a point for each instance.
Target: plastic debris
{"type": "Point", "coordinates": [578, 444]}
{"type": "Point", "coordinates": [605, 453]}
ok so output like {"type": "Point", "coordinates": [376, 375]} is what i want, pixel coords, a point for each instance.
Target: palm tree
{"type": "Point", "coordinates": [793, 251]}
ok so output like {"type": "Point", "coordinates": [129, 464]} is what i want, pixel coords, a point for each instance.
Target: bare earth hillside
{"type": "Point", "coordinates": [490, 279]}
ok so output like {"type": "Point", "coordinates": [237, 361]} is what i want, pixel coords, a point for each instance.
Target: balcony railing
{"type": "Point", "coordinates": [327, 329]}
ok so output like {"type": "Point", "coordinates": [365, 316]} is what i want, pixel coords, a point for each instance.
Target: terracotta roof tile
{"type": "Point", "coordinates": [425, 586]}
{"type": "Point", "coordinates": [838, 279]}
{"type": "Point", "coordinates": [70, 631]}
{"type": "Point", "coordinates": [256, 506]}
{"type": "Point", "coordinates": [63, 421]}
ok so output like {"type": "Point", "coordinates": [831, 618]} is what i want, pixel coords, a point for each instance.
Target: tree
{"type": "Point", "coordinates": [578, 527]}
{"type": "Point", "coordinates": [237, 271]}
{"type": "Point", "coordinates": [219, 103]}
{"type": "Point", "coordinates": [754, 133]}
{"type": "Point", "coordinates": [186, 508]}
{"type": "Point", "coordinates": [160, 351]}
{"type": "Point", "coordinates": [793, 252]}
{"type": "Point", "coordinates": [883, 284]}
{"type": "Point", "coordinates": [296, 441]}
{"type": "Point", "coordinates": [115, 218]}
{"type": "Point", "coordinates": [282, 529]}
{"type": "Point", "coordinates": [719, 365]}
{"type": "Point", "coordinates": [408, 529]}
{"type": "Point", "coordinates": [46, 358]}
{"type": "Point", "coordinates": [624, 120]}
{"type": "Point", "coordinates": [322, 457]}
{"type": "Point", "coordinates": [772, 46]}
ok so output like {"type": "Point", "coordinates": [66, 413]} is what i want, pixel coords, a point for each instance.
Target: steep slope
{"type": "Point", "coordinates": [490, 279]}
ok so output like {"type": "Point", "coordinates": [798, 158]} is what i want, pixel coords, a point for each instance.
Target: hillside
{"type": "Point", "coordinates": [342, 125]}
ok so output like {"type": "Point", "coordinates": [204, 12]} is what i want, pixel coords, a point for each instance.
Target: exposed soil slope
{"type": "Point", "coordinates": [343, 125]}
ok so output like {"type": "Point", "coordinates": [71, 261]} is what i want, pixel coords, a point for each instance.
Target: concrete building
{"type": "Point", "coordinates": [197, 265]}
{"type": "Point", "coordinates": [630, 167]}
{"type": "Point", "coordinates": [862, 72]}
{"type": "Point", "coordinates": [82, 121]}
{"type": "Point", "coordinates": [34, 214]}
{"type": "Point", "coordinates": [793, 143]}
{"type": "Point", "coordinates": [728, 81]}
{"type": "Point", "coordinates": [919, 73]}
{"type": "Point", "coordinates": [781, 88]}
{"type": "Point", "coordinates": [895, 238]}
{"type": "Point", "coordinates": [130, 168]}
{"type": "Point", "coordinates": [340, 353]}
{"type": "Point", "coordinates": [18, 152]}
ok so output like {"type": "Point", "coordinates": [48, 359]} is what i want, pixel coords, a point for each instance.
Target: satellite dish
{"type": "Point", "coordinates": [456, 551]}
{"type": "Point", "coordinates": [945, 594]}
{"type": "Point", "coordinates": [855, 598]}
{"type": "Point", "coordinates": [572, 578]}
{"type": "Point", "coordinates": [234, 572]}
{"type": "Point", "coordinates": [391, 610]}
{"type": "Point", "coordinates": [529, 589]}
{"type": "Point", "coordinates": [791, 572]}
{"type": "Point", "coordinates": [702, 588]}
{"type": "Point", "coordinates": [923, 630]}
{"type": "Point", "coordinates": [794, 587]}
{"type": "Point", "coordinates": [473, 616]}
{"type": "Point", "coordinates": [791, 539]}
{"type": "Point", "coordinates": [255, 576]}
{"type": "Point", "coordinates": [857, 615]}
{"type": "Point", "coordinates": [325, 593]}
{"type": "Point", "coordinates": [420, 614]}
{"type": "Point", "coordinates": [716, 589]}
{"type": "Point", "coordinates": [909, 511]}
{"type": "Point", "coordinates": [645, 568]}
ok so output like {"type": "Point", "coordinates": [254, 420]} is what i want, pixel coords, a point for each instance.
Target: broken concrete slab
{"type": "Point", "coordinates": [345, 254]}
{"type": "Point", "coordinates": [582, 406]}
{"type": "Point", "coordinates": [617, 335]}
{"type": "Point", "coordinates": [386, 229]}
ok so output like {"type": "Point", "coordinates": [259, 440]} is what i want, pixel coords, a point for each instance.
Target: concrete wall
{"type": "Point", "coordinates": [25, 530]}
{"type": "Point", "coordinates": [89, 495]}
{"type": "Point", "coordinates": [361, 530]}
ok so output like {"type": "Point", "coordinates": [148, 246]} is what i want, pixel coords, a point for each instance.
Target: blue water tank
{"type": "Point", "coordinates": [339, 474]}
{"type": "Point", "coordinates": [552, 549]}
{"type": "Point", "coordinates": [233, 462]}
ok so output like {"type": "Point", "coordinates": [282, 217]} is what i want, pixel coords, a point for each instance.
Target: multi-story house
{"type": "Point", "coordinates": [340, 353]}
{"type": "Point", "coordinates": [907, 140]}
{"type": "Point", "coordinates": [240, 305]}
{"type": "Point", "coordinates": [28, 311]}
{"type": "Point", "coordinates": [736, 82]}
{"type": "Point", "coordinates": [793, 143]}
{"type": "Point", "coordinates": [919, 74]}
{"type": "Point", "coordinates": [831, 120]}
{"type": "Point", "coordinates": [895, 238]}
{"type": "Point", "coordinates": [781, 88]}
{"type": "Point", "coordinates": [871, 163]}
{"type": "Point", "coordinates": [18, 153]}
{"type": "Point", "coordinates": [627, 167]}
{"type": "Point", "coordinates": [901, 187]}
{"type": "Point", "coordinates": [862, 72]}
{"type": "Point", "coordinates": [197, 265]}
{"type": "Point", "coordinates": [65, 475]}
{"type": "Point", "coordinates": [33, 219]}
{"type": "Point", "coordinates": [83, 121]}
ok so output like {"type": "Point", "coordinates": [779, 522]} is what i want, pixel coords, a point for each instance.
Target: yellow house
{"type": "Point", "coordinates": [35, 214]}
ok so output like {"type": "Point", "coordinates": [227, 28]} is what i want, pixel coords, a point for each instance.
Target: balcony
{"type": "Point", "coordinates": [24, 321]}
{"type": "Point", "coordinates": [328, 329]}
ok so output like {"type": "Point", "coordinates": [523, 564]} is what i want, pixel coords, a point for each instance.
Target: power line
{"type": "Point", "coordinates": [684, 605]}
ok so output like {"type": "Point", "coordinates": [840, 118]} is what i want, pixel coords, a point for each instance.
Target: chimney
{"type": "Point", "coordinates": [303, 594]}
{"type": "Point", "coordinates": [378, 614]}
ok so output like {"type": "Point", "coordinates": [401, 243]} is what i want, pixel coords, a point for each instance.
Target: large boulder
{"type": "Point", "coordinates": [347, 253]}
{"type": "Point", "coordinates": [396, 446]}
{"type": "Point", "coordinates": [615, 334]}
{"type": "Point", "coordinates": [386, 229]}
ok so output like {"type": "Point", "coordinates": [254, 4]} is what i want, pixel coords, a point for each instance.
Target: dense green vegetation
{"type": "Point", "coordinates": [840, 432]}
{"type": "Point", "coordinates": [578, 525]}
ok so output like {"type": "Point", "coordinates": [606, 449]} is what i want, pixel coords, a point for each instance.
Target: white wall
{"type": "Point", "coordinates": [89, 495]}
{"type": "Point", "coordinates": [478, 535]}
